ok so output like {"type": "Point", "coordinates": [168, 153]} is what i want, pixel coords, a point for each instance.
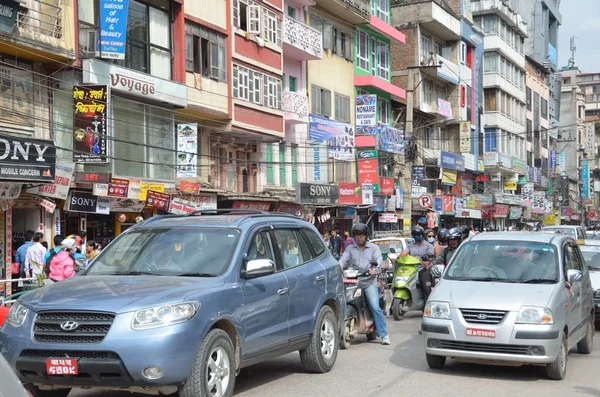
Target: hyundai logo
{"type": "Point", "coordinates": [482, 316]}
{"type": "Point", "coordinates": [69, 325]}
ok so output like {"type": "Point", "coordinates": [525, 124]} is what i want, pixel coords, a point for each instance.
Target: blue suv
{"type": "Point", "coordinates": [179, 304]}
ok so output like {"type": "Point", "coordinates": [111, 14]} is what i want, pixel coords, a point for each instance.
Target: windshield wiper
{"type": "Point", "coordinates": [196, 275]}
{"type": "Point", "coordinates": [538, 281]}
{"type": "Point", "coordinates": [137, 273]}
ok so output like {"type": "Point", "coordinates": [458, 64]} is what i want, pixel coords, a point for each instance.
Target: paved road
{"type": "Point", "coordinates": [370, 369]}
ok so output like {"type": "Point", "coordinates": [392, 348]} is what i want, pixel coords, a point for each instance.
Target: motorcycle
{"type": "Point", "coordinates": [359, 319]}
{"type": "Point", "coordinates": [406, 291]}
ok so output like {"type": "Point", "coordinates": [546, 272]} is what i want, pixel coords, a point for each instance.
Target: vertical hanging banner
{"type": "Point", "coordinates": [465, 137]}
{"type": "Point", "coordinates": [187, 150]}
{"type": "Point", "coordinates": [89, 124]}
{"type": "Point", "coordinates": [113, 28]}
{"type": "Point", "coordinates": [366, 114]}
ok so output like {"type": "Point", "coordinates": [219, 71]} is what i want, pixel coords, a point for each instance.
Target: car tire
{"type": "Point", "coordinates": [397, 309]}
{"type": "Point", "coordinates": [321, 353]}
{"type": "Point", "coordinates": [435, 362]}
{"type": "Point", "coordinates": [372, 335]}
{"type": "Point", "coordinates": [586, 345]}
{"type": "Point", "coordinates": [215, 365]}
{"type": "Point", "coordinates": [36, 392]}
{"type": "Point", "coordinates": [558, 369]}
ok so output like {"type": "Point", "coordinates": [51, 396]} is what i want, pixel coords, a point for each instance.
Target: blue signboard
{"type": "Point", "coordinates": [378, 204]}
{"type": "Point", "coordinates": [585, 178]}
{"type": "Point", "coordinates": [552, 162]}
{"type": "Point", "coordinates": [113, 28]}
{"type": "Point", "coordinates": [391, 139]}
{"type": "Point", "coordinates": [438, 204]}
{"type": "Point", "coordinates": [552, 54]}
{"type": "Point", "coordinates": [452, 161]}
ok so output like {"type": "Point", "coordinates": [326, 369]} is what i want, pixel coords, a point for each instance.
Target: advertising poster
{"type": "Point", "coordinates": [158, 200]}
{"type": "Point", "coordinates": [113, 28]}
{"type": "Point", "coordinates": [391, 140]}
{"type": "Point", "coordinates": [367, 171]}
{"type": "Point", "coordinates": [366, 114]}
{"type": "Point", "coordinates": [339, 136]}
{"type": "Point", "coordinates": [187, 150]}
{"type": "Point", "coordinates": [90, 124]}
{"type": "Point", "coordinates": [350, 193]}
{"type": "Point", "coordinates": [465, 136]}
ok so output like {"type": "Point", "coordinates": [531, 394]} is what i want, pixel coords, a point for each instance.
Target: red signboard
{"type": "Point", "coordinates": [158, 200]}
{"type": "Point", "coordinates": [289, 208]}
{"type": "Point", "coordinates": [367, 171]}
{"type": "Point", "coordinates": [448, 203]}
{"type": "Point", "coordinates": [501, 211]}
{"type": "Point", "coordinates": [365, 141]}
{"type": "Point", "coordinates": [118, 187]}
{"type": "Point", "coordinates": [92, 177]}
{"type": "Point", "coordinates": [481, 178]}
{"type": "Point", "coordinates": [252, 205]}
{"type": "Point", "coordinates": [189, 187]}
{"type": "Point", "coordinates": [386, 186]}
{"type": "Point", "coordinates": [349, 193]}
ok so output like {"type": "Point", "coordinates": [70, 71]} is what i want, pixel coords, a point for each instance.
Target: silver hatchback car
{"type": "Point", "coordinates": [512, 299]}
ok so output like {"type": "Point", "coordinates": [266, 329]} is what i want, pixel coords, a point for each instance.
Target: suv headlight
{"type": "Point", "coordinates": [437, 310]}
{"type": "Point", "coordinates": [535, 315]}
{"type": "Point", "coordinates": [162, 316]}
{"type": "Point", "coordinates": [17, 314]}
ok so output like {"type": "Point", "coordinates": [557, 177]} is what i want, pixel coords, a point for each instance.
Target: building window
{"type": "Point", "coordinates": [292, 84]}
{"type": "Point", "coordinates": [432, 138]}
{"type": "Point", "coordinates": [256, 87]}
{"type": "Point", "coordinates": [270, 174]}
{"type": "Point", "coordinates": [545, 138]}
{"type": "Point", "coordinates": [490, 62]}
{"type": "Point", "coordinates": [383, 60]}
{"type": "Point", "coordinates": [257, 20]}
{"type": "Point", "coordinates": [282, 173]}
{"type": "Point", "coordinates": [294, 165]}
{"type": "Point", "coordinates": [342, 108]}
{"type": "Point", "coordinates": [426, 49]}
{"type": "Point", "coordinates": [529, 130]}
{"type": "Point", "coordinates": [490, 100]}
{"type": "Point", "coordinates": [343, 45]}
{"type": "Point", "coordinates": [205, 52]}
{"type": "Point", "coordinates": [144, 140]}
{"type": "Point", "coordinates": [490, 140]}
{"type": "Point", "coordinates": [381, 9]}
{"type": "Point", "coordinates": [362, 50]}
{"type": "Point", "coordinates": [384, 110]}
{"type": "Point", "coordinates": [528, 98]}
{"type": "Point", "coordinates": [427, 93]}
{"type": "Point", "coordinates": [463, 52]}
{"type": "Point", "coordinates": [544, 109]}
{"type": "Point", "coordinates": [320, 101]}
{"type": "Point", "coordinates": [291, 12]}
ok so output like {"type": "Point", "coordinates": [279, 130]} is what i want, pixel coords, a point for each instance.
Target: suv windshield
{"type": "Point", "coordinates": [167, 252]}
{"type": "Point", "coordinates": [504, 261]}
{"type": "Point", "coordinates": [591, 254]}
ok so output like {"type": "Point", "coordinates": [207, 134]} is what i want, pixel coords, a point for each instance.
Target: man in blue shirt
{"type": "Point", "coordinates": [22, 250]}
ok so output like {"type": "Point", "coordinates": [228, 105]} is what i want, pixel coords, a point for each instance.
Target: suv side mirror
{"type": "Point", "coordinates": [258, 268]}
{"type": "Point", "coordinates": [574, 275]}
{"type": "Point", "coordinates": [393, 250]}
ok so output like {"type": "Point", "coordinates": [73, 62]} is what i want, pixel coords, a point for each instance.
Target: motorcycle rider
{"type": "Point", "coordinates": [362, 253]}
{"type": "Point", "coordinates": [455, 238]}
{"type": "Point", "coordinates": [466, 232]}
{"type": "Point", "coordinates": [420, 247]}
{"type": "Point", "coordinates": [431, 239]}
{"type": "Point", "coordinates": [442, 237]}
{"type": "Point", "coordinates": [425, 278]}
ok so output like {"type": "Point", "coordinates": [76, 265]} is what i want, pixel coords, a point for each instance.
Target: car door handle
{"type": "Point", "coordinates": [282, 291]}
{"type": "Point", "coordinates": [320, 278]}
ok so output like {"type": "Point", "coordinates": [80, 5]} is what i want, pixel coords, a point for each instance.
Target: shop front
{"type": "Point", "coordinates": [320, 205]}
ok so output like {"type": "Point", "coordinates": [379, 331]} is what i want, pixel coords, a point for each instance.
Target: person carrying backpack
{"type": "Point", "coordinates": [61, 264]}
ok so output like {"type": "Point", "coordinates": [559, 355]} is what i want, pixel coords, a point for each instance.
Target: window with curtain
{"type": "Point", "coordinates": [490, 99]}
{"type": "Point", "coordinates": [148, 47]}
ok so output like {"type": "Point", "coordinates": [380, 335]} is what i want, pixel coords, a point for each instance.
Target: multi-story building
{"type": "Point", "coordinates": [36, 39]}
{"type": "Point", "coordinates": [537, 98]}
{"type": "Point", "coordinates": [543, 22]}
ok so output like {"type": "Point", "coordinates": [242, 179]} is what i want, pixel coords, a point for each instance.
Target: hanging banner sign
{"type": "Point", "coordinates": [48, 205]}
{"type": "Point", "coordinates": [113, 28]}
{"type": "Point", "coordinates": [187, 150]}
{"type": "Point", "coordinates": [90, 124]}
{"type": "Point", "coordinates": [158, 200]}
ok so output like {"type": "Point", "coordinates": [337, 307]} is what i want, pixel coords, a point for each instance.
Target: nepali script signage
{"type": "Point", "coordinates": [90, 124]}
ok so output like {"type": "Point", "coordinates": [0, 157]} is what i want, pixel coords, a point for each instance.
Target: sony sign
{"type": "Point", "coordinates": [314, 193]}
{"type": "Point", "coordinates": [27, 159]}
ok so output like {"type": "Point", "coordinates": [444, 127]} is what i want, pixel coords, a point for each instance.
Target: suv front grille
{"type": "Point", "coordinates": [484, 347]}
{"type": "Point", "coordinates": [482, 316]}
{"type": "Point", "coordinates": [90, 355]}
{"type": "Point", "coordinates": [91, 327]}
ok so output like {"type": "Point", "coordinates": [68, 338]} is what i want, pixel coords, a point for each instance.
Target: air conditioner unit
{"type": "Point", "coordinates": [89, 43]}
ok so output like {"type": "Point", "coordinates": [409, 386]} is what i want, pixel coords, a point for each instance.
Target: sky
{"type": "Point", "coordinates": [582, 19]}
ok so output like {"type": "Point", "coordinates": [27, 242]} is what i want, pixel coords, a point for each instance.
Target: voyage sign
{"type": "Point", "coordinates": [27, 159]}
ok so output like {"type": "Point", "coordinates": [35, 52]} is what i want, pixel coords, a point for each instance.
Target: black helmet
{"type": "Point", "coordinates": [417, 231]}
{"type": "Point", "coordinates": [360, 228]}
{"type": "Point", "coordinates": [443, 235]}
{"type": "Point", "coordinates": [427, 258]}
{"type": "Point", "coordinates": [455, 234]}
{"type": "Point", "coordinates": [465, 230]}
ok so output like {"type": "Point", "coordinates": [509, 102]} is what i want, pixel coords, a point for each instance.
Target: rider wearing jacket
{"type": "Point", "coordinates": [361, 254]}
{"type": "Point", "coordinates": [455, 238]}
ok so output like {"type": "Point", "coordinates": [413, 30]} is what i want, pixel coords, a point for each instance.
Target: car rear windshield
{"type": "Point", "coordinates": [167, 252]}
{"type": "Point", "coordinates": [591, 254]}
{"type": "Point", "coordinates": [504, 261]}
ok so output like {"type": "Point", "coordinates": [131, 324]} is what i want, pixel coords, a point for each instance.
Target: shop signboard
{"type": "Point", "coordinates": [78, 201]}
{"type": "Point", "coordinates": [366, 114]}
{"type": "Point", "coordinates": [62, 182]}
{"type": "Point", "coordinates": [90, 126]}
{"type": "Point", "coordinates": [252, 205]}
{"type": "Point", "coordinates": [501, 210]}
{"type": "Point", "coordinates": [368, 171]}
{"type": "Point", "coordinates": [288, 208]}
{"type": "Point", "coordinates": [367, 191]}
{"type": "Point", "coordinates": [25, 159]}
{"type": "Point", "coordinates": [10, 191]}
{"type": "Point", "coordinates": [140, 85]}
{"type": "Point", "coordinates": [391, 140]}
{"type": "Point", "coordinates": [158, 200]}
{"type": "Point", "coordinates": [387, 217]}
{"type": "Point", "coordinates": [127, 205]}
{"type": "Point", "coordinates": [118, 187]}
{"type": "Point", "coordinates": [189, 187]}
{"type": "Point", "coordinates": [204, 201]}
{"type": "Point", "coordinates": [92, 177]}
{"type": "Point", "coordinates": [350, 193]}
{"type": "Point", "coordinates": [19, 91]}
{"type": "Point", "coordinates": [339, 136]}
{"type": "Point", "coordinates": [156, 187]}
{"type": "Point", "coordinates": [187, 150]}
{"type": "Point", "coordinates": [314, 193]}
{"type": "Point", "coordinates": [179, 206]}
{"type": "Point", "coordinates": [386, 186]}
{"type": "Point", "coordinates": [8, 15]}
{"type": "Point", "coordinates": [113, 28]}
{"type": "Point", "coordinates": [452, 161]}
{"type": "Point", "coordinates": [48, 205]}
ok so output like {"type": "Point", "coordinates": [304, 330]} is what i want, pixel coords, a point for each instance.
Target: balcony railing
{"type": "Point", "coordinates": [305, 42]}
{"type": "Point", "coordinates": [41, 21]}
{"type": "Point", "coordinates": [479, 7]}
{"type": "Point", "coordinates": [295, 107]}
{"type": "Point", "coordinates": [354, 12]}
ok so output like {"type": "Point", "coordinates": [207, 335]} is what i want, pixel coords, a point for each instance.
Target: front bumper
{"type": "Point", "coordinates": [117, 361]}
{"type": "Point", "coordinates": [512, 343]}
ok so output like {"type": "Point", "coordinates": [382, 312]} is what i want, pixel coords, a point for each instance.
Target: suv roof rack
{"type": "Point", "coordinates": [235, 211]}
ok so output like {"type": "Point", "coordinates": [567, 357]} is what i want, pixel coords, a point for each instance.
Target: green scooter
{"type": "Point", "coordinates": [407, 296]}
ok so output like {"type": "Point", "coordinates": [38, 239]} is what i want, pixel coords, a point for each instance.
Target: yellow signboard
{"type": "Point", "coordinates": [449, 177]}
{"type": "Point", "coordinates": [157, 187]}
{"type": "Point", "coordinates": [510, 185]}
